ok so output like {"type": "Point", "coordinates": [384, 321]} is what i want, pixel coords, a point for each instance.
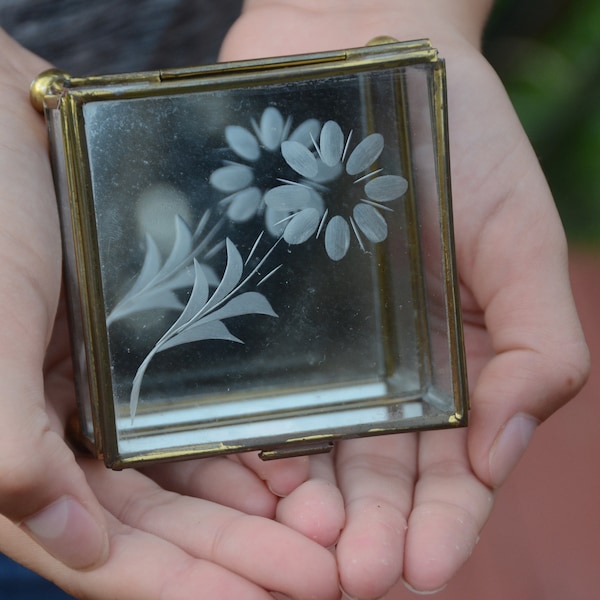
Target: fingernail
{"type": "Point", "coordinates": [410, 588]}
{"type": "Point", "coordinates": [275, 492]}
{"type": "Point", "coordinates": [69, 533]}
{"type": "Point", "coordinates": [510, 444]}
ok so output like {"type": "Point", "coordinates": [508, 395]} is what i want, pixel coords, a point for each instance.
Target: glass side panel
{"type": "Point", "coordinates": [76, 318]}
{"type": "Point", "coordinates": [270, 261]}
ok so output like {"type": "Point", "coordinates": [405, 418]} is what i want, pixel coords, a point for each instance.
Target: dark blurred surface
{"type": "Point", "coordinates": [111, 36]}
{"type": "Point", "coordinates": [548, 54]}
{"type": "Point", "coordinates": [18, 583]}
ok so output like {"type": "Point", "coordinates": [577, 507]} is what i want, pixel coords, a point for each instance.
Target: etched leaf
{"type": "Point", "coordinates": [137, 383]}
{"type": "Point", "coordinates": [300, 158]}
{"type": "Point", "coordinates": [386, 188]}
{"type": "Point", "coordinates": [337, 238]}
{"type": "Point", "coordinates": [201, 224]}
{"type": "Point", "coordinates": [370, 222]}
{"type": "Point", "coordinates": [134, 396]}
{"type": "Point", "coordinates": [242, 142]}
{"type": "Point", "coordinates": [202, 316]}
{"type": "Point", "coordinates": [331, 143]}
{"type": "Point", "coordinates": [231, 276]}
{"type": "Point", "coordinates": [365, 154]}
{"type": "Point", "coordinates": [231, 178]}
{"type": "Point", "coordinates": [248, 303]}
{"type": "Point", "coordinates": [197, 300]}
{"type": "Point", "coordinates": [198, 332]}
{"type": "Point", "coordinates": [183, 278]}
{"type": "Point", "coordinates": [149, 269]}
{"type": "Point", "coordinates": [181, 251]}
{"type": "Point", "coordinates": [162, 299]}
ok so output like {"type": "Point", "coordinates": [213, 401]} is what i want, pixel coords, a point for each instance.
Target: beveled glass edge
{"type": "Point", "coordinates": [316, 443]}
{"type": "Point", "coordinates": [458, 368]}
{"type": "Point", "coordinates": [82, 242]}
{"type": "Point", "coordinates": [90, 440]}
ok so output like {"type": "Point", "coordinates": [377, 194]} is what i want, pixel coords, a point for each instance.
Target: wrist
{"type": "Point", "coordinates": [405, 19]}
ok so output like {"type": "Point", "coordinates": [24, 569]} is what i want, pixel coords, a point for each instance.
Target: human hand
{"type": "Point", "coordinates": [97, 533]}
{"type": "Point", "coordinates": [415, 504]}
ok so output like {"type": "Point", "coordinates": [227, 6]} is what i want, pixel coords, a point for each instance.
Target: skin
{"type": "Point", "coordinates": [127, 535]}
{"type": "Point", "coordinates": [409, 506]}
{"type": "Point", "coordinates": [415, 504]}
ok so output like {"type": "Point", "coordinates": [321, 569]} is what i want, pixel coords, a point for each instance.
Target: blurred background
{"type": "Point", "coordinates": [548, 54]}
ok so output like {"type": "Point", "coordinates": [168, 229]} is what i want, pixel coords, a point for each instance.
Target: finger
{"type": "Point", "coordinates": [450, 508]}
{"type": "Point", "coordinates": [281, 476]}
{"type": "Point", "coordinates": [140, 565]}
{"type": "Point", "coordinates": [516, 391]}
{"type": "Point", "coordinates": [219, 480]}
{"type": "Point", "coordinates": [541, 359]}
{"type": "Point", "coordinates": [260, 550]}
{"type": "Point", "coordinates": [41, 486]}
{"type": "Point", "coordinates": [316, 507]}
{"type": "Point", "coordinates": [376, 476]}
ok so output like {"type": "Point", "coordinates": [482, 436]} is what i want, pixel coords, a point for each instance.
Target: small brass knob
{"type": "Point", "coordinates": [49, 83]}
{"type": "Point", "coordinates": [382, 39]}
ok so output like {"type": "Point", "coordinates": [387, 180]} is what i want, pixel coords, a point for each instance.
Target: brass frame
{"type": "Point", "coordinates": [55, 90]}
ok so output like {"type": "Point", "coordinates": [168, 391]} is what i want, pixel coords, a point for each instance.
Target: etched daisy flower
{"type": "Point", "coordinates": [346, 208]}
{"type": "Point", "coordinates": [246, 181]}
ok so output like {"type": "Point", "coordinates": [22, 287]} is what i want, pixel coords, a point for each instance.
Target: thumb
{"type": "Point", "coordinates": [541, 361]}
{"type": "Point", "coordinates": [42, 489]}
{"type": "Point", "coordinates": [41, 486]}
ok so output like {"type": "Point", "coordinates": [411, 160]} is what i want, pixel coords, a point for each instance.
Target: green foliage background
{"type": "Point", "coordinates": [548, 54]}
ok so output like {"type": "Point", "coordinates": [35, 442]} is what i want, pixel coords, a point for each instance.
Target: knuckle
{"type": "Point", "coordinates": [574, 369]}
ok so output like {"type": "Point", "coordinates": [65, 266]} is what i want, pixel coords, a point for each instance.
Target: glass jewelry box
{"type": "Point", "coordinates": [259, 254]}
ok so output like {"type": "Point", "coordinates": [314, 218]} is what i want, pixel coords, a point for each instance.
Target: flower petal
{"type": "Point", "coordinates": [276, 221]}
{"type": "Point", "coordinates": [331, 143]}
{"type": "Point", "coordinates": [271, 128]}
{"type": "Point", "coordinates": [326, 174]}
{"type": "Point", "coordinates": [301, 226]}
{"type": "Point", "coordinates": [288, 197]}
{"type": "Point", "coordinates": [304, 131]}
{"type": "Point", "coordinates": [365, 154]}
{"type": "Point", "coordinates": [242, 142]}
{"type": "Point", "coordinates": [386, 188]}
{"type": "Point", "coordinates": [244, 205]}
{"type": "Point", "coordinates": [300, 158]}
{"type": "Point", "coordinates": [231, 178]}
{"type": "Point", "coordinates": [370, 222]}
{"type": "Point", "coordinates": [337, 238]}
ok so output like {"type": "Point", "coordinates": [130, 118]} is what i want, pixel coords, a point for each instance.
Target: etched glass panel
{"type": "Point", "coordinates": [270, 262]}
